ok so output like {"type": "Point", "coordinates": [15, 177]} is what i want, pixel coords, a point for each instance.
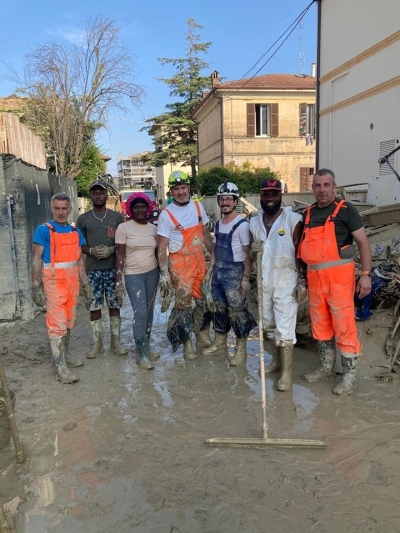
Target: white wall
{"type": "Point", "coordinates": [349, 137]}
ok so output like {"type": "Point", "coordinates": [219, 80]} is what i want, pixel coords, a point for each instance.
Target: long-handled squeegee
{"type": "Point", "coordinates": [264, 440]}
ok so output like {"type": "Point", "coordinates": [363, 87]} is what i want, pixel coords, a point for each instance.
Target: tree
{"type": "Point", "coordinates": [177, 140]}
{"type": "Point", "coordinates": [247, 177]}
{"type": "Point", "coordinates": [70, 90]}
{"type": "Point", "coordinates": [91, 165]}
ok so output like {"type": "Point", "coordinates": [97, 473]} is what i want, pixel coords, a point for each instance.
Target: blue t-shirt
{"type": "Point", "coordinates": [42, 237]}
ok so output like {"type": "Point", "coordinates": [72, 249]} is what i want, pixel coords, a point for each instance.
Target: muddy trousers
{"type": "Point", "coordinates": [141, 289]}
{"type": "Point", "coordinates": [232, 311]}
{"type": "Point", "coordinates": [182, 322]}
{"type": "Point", "coordinates": [61, 287]}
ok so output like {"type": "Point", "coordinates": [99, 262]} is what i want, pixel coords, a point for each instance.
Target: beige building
{"type": "Point", "coordinates": [359, 93]}
{"type": "Point", "coordinates": [267, 120]}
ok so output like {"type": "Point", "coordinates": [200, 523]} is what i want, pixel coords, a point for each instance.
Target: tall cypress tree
{"type": "Point", "coordinates": [178, 140]}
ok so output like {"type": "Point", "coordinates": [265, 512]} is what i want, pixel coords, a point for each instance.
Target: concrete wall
{"type": "Point", "coordinates": [25, 193]}
{"type": "Point", "coordinates": [360, 92]}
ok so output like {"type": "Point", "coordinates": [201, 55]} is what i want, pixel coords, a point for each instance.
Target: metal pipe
{"type": "Point", "coordinates": [13, 257]}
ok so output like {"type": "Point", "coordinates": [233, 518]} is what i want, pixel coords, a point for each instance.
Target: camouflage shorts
{"type": "Point", "coordinates": [103, 285]}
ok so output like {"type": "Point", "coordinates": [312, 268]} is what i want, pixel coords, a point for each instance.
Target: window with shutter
{"type": "Point", "coordinates": [306, 178]}
{"type": "Point", "coordinates": [303, 120]}
{"type": "Point", "coordinates": [251, 118]}
{"type": "Point", "coordinates": [274, 120]}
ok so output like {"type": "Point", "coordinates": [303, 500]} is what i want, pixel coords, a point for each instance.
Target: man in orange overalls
{"type": "Point", "coordinates": [57, 262]}
{"type": "Point", "coordinates": [330, 225]}
{"type": "Point", "coordinates": [182, 233]}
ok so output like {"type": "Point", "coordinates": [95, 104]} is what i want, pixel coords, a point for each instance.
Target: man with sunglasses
{"type": "Point", "coordinates": [229, 275]}
{"type": "Point", "coordinates": [182, 233]}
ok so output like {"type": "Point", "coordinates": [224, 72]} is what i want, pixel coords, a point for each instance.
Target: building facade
{"type": "Point", "coordinates": [268, 121]}
{"type": "Point", "coordinates": [359, 93]}
{"type": "Point", "coordinates": [134, 173]}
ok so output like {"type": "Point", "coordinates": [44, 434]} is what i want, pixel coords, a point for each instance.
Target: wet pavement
{"type": "Point", "coordinates": [124, 449]}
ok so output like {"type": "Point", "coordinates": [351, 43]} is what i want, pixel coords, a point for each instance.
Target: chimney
{"type": "Point", "coordinates": [214, 79]}
{"type": "Point", "coordinates": [313, 69]}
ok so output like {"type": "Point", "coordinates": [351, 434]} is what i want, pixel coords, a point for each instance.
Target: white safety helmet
{"type": "Point", "coordinates": [228, 189]}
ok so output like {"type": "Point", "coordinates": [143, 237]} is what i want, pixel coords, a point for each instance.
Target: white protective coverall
{"type": "Point", "coordinates": [279, 275]}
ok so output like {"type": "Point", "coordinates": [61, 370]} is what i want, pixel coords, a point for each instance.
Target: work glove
{"type": "Point", "coordinates": [167, 295]}
{"type": "Point", "coordinates": [208, 277]}
{"type": "Point", "coordinates": [120, 292]}
{"type": "Point", "coordinates": [245, 284]}
{"type": "Point", "coordinates": [209, 304]}
{"type": "Point", "coordinates": [256, 247]}
{"type": "Point", "coordinates": [165, 281]}
{"type": "Point", "coordinates": [300, 291]}
{"type": "Point", "coordinates": [88, 292]}
{"type": "Point", "coordinates": [102, 252]}
{"type": "Point", "coordinates": [38, 296]}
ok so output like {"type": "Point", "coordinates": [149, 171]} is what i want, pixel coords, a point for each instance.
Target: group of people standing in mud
{"type": "Point", "coordinates": [310, 255]}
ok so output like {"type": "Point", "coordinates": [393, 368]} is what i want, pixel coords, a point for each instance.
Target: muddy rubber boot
{"type": "Point", "coordinates": [220, 344]}
{"type": "Point", "coordinates": [98, 340]}
{"type": "Point", "coordinates": [72, 363]}
{"type": "Point", "coordinates": [276, 363]}
{"type": "Point", "coordinates": [327, 357]}
{"type": "Point", "coordinates": [153, 356]}
{"type": "Point", "coordinates": [348, 383]}
{"type": "Point", "coordinates": [285, 382]}
{"type": "Point", "coordinates": [115, 331]}
{"type": "Point", "coordinates": [142, 359]}
{"type": "Point", "coordinates": [188, 352]}
{"type": "Point", "coordinates": [61, 371]}
{"type": "Point", "coordinates": [203, 339]}
{"type": "Point", "coordinates": [240, 356]}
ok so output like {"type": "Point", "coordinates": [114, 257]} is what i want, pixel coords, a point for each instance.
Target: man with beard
{"type": "Point", "coordinates": [98, 227]}
{"type": "Point", "coordinates": [276, 232]}
{"type": "Point", "coordinates": [182, 233]}
{"type": "Point", "coordinates": [229, 274]}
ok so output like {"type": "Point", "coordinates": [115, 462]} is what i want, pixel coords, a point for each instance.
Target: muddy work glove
{"type": "Point", "coordinates": [167, 295]}
{"type": "Point", "coordinates": [208, 277]}
{"type": "Point", "coordinates": [88, 292]}
{"type": "Point", "coordinates": [209, 304]}
{"type": "Point", "coordinates": [165, 280]}
{"type": "Point", "coordinates": [120, 292]}
{"type": "Point", "coordinates": [300, 291]}
{"type": "Point", "coordinates": [102, 252]}
{"type": "Point", "coordinates": [38, 296]}
{"type": "Point", "coordinates": [245, 285]}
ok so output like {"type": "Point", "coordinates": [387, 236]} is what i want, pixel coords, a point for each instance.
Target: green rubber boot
{"type": "Point", "coordinates": [285, 383]}
{"type": "Point", "coordinates": [276, 363]}
{"type": "Point", "coordinates": [188, 352]}
{"type": "Point", "coordinates": [142, 359]}
{"type": "Point", "coordinates": [220, 344]}
{"type": "Point", "coordinates": [153, 356]}
{"type": "Point", "coordinates": [240, 356]}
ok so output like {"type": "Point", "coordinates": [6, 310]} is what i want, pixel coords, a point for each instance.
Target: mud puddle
{"type": "Point", "coordinates": [123, 450]}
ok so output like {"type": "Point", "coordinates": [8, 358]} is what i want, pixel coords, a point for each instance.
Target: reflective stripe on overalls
{"type": "Point", "coordinates": [331, 285]}
{"type": "Point", "coordinates": [61, 282]}
{"type": "Point", "coordinates": [187, 266]}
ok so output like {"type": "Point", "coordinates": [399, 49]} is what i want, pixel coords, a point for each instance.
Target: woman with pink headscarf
{"type": "Point", "coordinates": [137, 260]}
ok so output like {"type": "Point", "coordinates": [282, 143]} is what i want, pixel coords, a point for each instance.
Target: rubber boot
{"type": "Point", "coordinates": [276, 363]}
{"type": "Point", "coordinates": [62, 373]}
{"type": "Point", "coordinates": [115, 331]}
{"type": "Point", "coordinates": [97, 348]}
{"type": "Point", "coordinates": [188, 352]}
{"type": "Point", "coordinates": [220, 344]}
{"type": "Point", "coordinates": [142, 359]}
{"type": "Point", "coordinates": [348, 383]}
{"type": "Point", "coordinates": [72, 363]}
{"type": "Point", "coordinates": [153, 356]}
{"type": "Point", "coordinates": [202, 336]}
{"type": "Point", "coordinates": [285, 383]}
{"type": "Point", "coordinates": [203, 339]}
{"type": "Point", "coordinates": [240, 356]}
{"type": "Point", "coordinates": [327, 357]}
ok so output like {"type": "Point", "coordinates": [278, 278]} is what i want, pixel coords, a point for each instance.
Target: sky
{"type": "Point", "coordinates": [240, 33]}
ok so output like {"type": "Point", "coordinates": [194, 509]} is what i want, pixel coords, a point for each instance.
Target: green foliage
{"type": "Point", "coordinates": [247, 177]}
{"type": "Point", "coordinates": [177, 142]}
{"type": "Point", "coordinates": [91, 165]}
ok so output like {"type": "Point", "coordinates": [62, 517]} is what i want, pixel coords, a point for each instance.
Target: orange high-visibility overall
{"type": "Point", "coordinates": [331, 285]}
{"type": "Point", "coordinates": [187, 266]}
{"type": "Point", "coordinates": [61, 282]}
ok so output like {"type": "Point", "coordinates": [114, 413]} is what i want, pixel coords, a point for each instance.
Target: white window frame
{"type": "Point", "coordinates": [262, 120]}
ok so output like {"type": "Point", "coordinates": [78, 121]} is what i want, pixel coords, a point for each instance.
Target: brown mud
{"type": "Point", "coordinates": [123, 450]}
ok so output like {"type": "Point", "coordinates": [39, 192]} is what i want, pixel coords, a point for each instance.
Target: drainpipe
{"type": "Point", "coordinates": [318, 102]}
{"type": "Point", "coordinates": [13, 255]}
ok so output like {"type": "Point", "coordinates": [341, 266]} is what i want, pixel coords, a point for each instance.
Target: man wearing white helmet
{"type": "Point", "coordinates": [182, 233]}
{"type": "Point", "coordinates": [229, 274]}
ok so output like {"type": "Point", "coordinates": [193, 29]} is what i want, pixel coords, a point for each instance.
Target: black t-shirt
{"type": "Point", "coordinates": [347, 220]}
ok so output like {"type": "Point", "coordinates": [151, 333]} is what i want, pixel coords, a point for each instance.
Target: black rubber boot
{"type": "Point", "coordinates": [327, 356]}
{"type": "Point", "coordinates": [153, 356]}
{"type": "Point", "coordinates": [142, 359]}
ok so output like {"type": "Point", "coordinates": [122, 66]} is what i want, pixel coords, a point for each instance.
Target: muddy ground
{"type": "Point", "coordinates": [123, 450]}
